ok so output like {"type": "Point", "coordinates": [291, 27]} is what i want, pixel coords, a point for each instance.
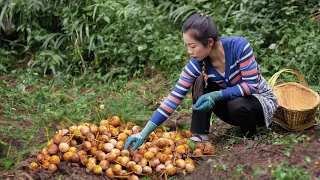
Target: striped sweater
{"type": "Point", "coordinates": [241, 76]}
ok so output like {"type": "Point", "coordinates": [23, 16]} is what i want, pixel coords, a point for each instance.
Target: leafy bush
{"type": "Point", "coordinates": [122, 38]}
{"type": "Point", "coordinates": [6, 59]}
{"type": "Point", "coordinates": [108, 37]}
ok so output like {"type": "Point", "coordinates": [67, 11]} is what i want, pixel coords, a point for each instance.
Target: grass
{"type": "Point", "coordinates": [32, 108]}
{"type": "Point", "coordinates": [30, 105]}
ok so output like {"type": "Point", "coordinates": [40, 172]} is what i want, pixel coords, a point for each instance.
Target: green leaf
{"type": "Point", "coordinates": [91, 44]}
{"type": "Point", "coordinates": [2, 14]}
{"type": "Point", "coordinates": [231, 141]}
{"type": "Point", "coordinates": [130, 59]}
{"type": "Point", "coordinates": [87, 30]}
{"type": "Point", "coordinates": [94, 12]}
{"type": "Point", "coordinates": [308, 159]}
{"type": "Point", "coordinates": [146, 178]}
{"type": "Point", "coordinates": [287, 153]}
{"type": "Point", "coordinates": [294, 139]}
{"type": "Point", "coordinates": [7, 163]}
{"type": "Point", "coordinates": [191, 145]}
{"type": "Point", "coordinates": [272, 46]}
{"type": "Point", "coordinates": [107, 19]}
{"type": "Point", "coordinates": [143, 47]}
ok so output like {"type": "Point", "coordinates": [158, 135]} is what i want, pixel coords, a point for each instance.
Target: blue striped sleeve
{"type": "Point", "coordinates": [190, 72]}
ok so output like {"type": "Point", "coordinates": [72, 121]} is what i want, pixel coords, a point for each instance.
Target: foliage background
{"type": "Point", "coordinates": [52, 62]}
{"type": "Point", "coordinates": [105, 39]}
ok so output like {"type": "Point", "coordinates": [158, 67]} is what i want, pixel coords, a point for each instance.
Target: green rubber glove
{"type": "Point", "coordinates": [207, 101]}
{"type": "Point", "coordinates": [140, 137]}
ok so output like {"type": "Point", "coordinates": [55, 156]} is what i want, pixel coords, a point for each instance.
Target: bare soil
{"type": "Point", "coordinates": [249, 155]}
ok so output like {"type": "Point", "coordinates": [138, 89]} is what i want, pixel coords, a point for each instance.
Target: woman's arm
{"type": "Point", "coordinates": [248, 72]}
{"type": "Point", "coordinates": [190, 72]}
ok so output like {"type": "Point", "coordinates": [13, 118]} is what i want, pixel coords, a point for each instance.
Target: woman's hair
{"type": "Point", "coordinates": [201, 27]}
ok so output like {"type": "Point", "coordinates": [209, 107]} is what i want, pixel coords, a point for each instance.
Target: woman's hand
{"type": "Point", "coordinates": [207, 101]}
{"type": "Point", "coordinates": [139, 138]}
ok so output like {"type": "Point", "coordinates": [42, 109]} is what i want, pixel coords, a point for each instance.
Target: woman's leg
{"type": "Point", "coordinates": [245, 112]}
{"type": "Point", "coordinates": [200, 122]}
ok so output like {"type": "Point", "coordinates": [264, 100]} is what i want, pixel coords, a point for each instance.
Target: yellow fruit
{"type": "Point", "coordinates": [33, 166]}
{"type": "Point", "coordinates": [54, 160]}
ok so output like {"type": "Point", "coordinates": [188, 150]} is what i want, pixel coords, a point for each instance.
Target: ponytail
{"type": "Point", "coordinates": [198, 89]}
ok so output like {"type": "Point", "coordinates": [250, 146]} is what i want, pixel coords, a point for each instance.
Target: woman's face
{"type": "Point", "coordinates": [195, 48]}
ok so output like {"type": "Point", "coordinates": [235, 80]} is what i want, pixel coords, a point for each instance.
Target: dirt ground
{"type": "Point", "coordinates": [249, 155]}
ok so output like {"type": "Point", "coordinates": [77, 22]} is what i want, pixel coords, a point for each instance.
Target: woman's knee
{"type": "Point", "coordinates": [237, 107]}
{"type": "Point", "coordinates": [246, 110]}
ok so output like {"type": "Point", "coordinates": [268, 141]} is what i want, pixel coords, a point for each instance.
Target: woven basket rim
{"type": "Point", "coordinates": [317, 101]}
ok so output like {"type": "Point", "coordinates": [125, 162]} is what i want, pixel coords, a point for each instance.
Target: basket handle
{"type": "Point", "coordinates": [274, 78]}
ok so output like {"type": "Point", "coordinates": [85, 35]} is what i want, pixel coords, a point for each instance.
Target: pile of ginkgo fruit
{"type": "Point", "coordinates": [100, 149]}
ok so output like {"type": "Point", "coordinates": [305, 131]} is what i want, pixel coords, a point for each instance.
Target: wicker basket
{"type": "Point", "coordinates": [297, 103]}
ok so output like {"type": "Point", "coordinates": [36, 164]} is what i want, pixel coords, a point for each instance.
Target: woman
{"type": "Point", "coordinates": [233, 87]}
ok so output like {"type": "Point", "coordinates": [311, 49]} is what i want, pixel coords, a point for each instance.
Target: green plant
{"type": "Point", "coordinates": [47, 59]}
{"type": "Point", "coordinates": [6, 57]}
{"type": "Point", "coordinates": [287, 153]}
{"type": "Point", "coordinates": [114, 39]}
{"type": "Point", "coordinates": [284, 171]}
{"type": "Point", "coordinates": [286, 140]}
